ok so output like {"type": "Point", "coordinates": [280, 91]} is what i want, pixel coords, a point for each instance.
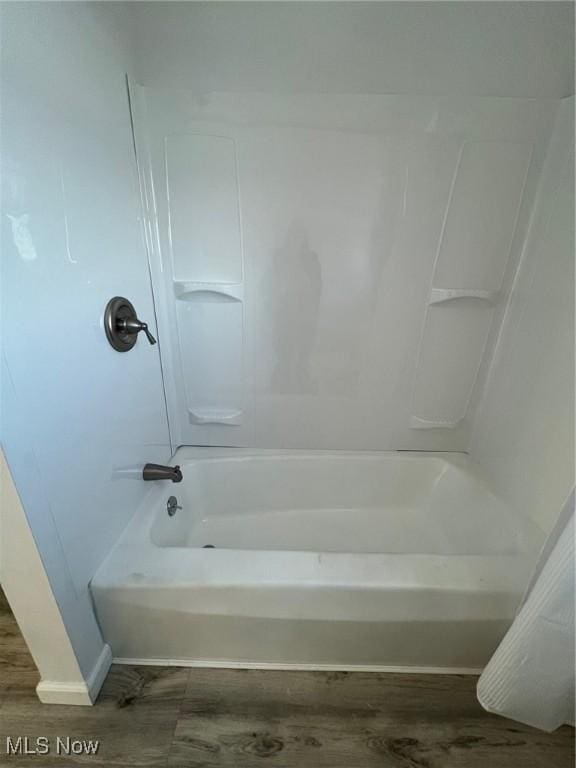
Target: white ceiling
{"type": "Point", "coordinates": [523, 49]}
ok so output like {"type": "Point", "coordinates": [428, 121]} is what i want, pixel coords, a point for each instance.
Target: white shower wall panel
{"type": "Point", "coordinates": [328, 225]}
{"type": "Point", "coordinates": [524, 430]}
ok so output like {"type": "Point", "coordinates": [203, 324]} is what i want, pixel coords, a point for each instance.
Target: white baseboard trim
{"type": "Point", "coordinates": [210, 664]}
{"type": "Point", "coordinates": [77, 693]}
{"type": "Point", "coordinates": [53, 692]}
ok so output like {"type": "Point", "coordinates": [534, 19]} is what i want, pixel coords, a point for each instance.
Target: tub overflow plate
{"type": "Point", "coordinates": [172, 505]}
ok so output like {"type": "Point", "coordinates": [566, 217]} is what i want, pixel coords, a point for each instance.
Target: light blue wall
{"type": "Point", "coordinates": [78, 418]}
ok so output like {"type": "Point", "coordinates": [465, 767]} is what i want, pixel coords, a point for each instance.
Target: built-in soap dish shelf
{"type": "Point", "coordinates": [416, 422]}
{"type": "Point", "coordinates": [225, 416]}
{"type": "Point", "coordinates": [208, 292]}
{"type": "Point", "coordinates": [443, 295]}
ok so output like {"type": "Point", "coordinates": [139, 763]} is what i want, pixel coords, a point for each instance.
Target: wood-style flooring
{"type": "Point", "coordinates": [168, 716]}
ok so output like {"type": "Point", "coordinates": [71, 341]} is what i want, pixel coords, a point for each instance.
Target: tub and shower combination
{"type": "Point", "coordinates": [317, 559]}
{"type": "Point", "coordinates": [324, 277]}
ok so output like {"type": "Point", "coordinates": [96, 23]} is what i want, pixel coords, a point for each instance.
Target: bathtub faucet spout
{"type": "Point", "coordinates": [160, 472]}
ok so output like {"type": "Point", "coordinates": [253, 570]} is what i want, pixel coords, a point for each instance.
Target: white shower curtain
{"type": "Point", "coordinates": [530, 678]}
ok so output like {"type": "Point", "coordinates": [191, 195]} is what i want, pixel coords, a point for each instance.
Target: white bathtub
{"type": "Point", "coordinates": [317, 559]}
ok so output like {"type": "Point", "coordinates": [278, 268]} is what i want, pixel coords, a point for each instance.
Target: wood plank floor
{"type": "Point", "coordinates": [168, 717]}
